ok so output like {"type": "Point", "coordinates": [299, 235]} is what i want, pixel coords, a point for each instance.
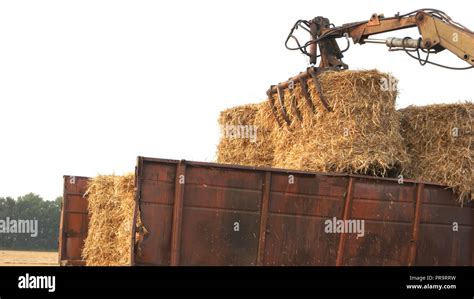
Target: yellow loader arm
{"type": "Point", "coordinates": [438, 32]}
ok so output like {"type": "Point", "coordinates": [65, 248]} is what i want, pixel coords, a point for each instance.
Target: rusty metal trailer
{"type": "Point", "coordinates": [73, 222]}
{"type": "Point", "coordinates": [213, 214]}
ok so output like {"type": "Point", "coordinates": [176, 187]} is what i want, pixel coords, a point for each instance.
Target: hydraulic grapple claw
{"type": "Point", "coordinates": [281, 99]}
{"type": "Point", "coordinates": [271, 101]}
{"type": "Point", "coordinates": [311, 72]}
{"type": "Point", "coordinates": [314, 75]}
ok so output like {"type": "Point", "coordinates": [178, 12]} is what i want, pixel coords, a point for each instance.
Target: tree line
{"type": "Point", "coordinates": [29, 223]}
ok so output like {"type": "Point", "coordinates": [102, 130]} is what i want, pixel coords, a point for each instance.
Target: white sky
{"type": "Point", "coordinates": [87, 86]}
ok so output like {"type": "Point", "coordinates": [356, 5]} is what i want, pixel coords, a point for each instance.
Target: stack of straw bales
{"type": "Point", "coordinates": [111, 201]}
{"type": "Point", "coordinates": [360, 135]}
{"type": "Point", "coordinates": [439, 140]}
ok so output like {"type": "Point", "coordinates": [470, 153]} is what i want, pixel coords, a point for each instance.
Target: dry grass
{"type": "Point", "coordinates": [243, 149]}
{"type": "Point", "coordinates": [28, 258]}
{"type": "Point", "coordinates": [360, 135]}
{"type": "Point", "coordinates": [363, 134]}
{"type": "Point", "coordinates": [439, 139]}
{"type": "Point", "coordinates": [111, 204]}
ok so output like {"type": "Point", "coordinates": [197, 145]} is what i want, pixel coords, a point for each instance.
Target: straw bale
{"type": "Point", "coordinates": [360, 135]}
{"type": "Point", "coordinates": [246, 136]}
{"type": "Point", "coordinates": [439, 140]}
{"type": "Point", "coordinates": [111, 205]}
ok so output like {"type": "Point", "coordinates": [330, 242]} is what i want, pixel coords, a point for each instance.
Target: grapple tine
{"type": "Point", "coordinates": [294, 107]}
{"type": "Point", "coordinates": [271, 100]}
{"type": "Point", "coordinates": [281, 95]}
{"type": "Point", "coordinates": [305, 93]}
{"type": "Point", "coordinates": [314, 76]}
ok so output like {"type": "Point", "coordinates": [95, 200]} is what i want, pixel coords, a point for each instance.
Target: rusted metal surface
{"type": "Point", "coordinates": [235, 215]}
{"type": "Point", "coordinates": [280, 95]}
{"type": "Point", "coordinates": [263, 218]}
{"type": "Point", "coordinates": [294, 108]}
{"type": "Point", "coordinates": [347, 208]}
{"type": "Point", "coordinates": [281, 100]}
{"type": "Point", "coordinates": [212, 214]}
{"type": "Point", "coordinates": [285, 84]}
{"type": "Point", "coordinates": [271, 101]}
{"type": "Point", "coordinates": [74, 221]}
{"type": "Point", "coordinates": [305, 94]}
{"type": "Point", "coordinates": [279, 89]}
{"type": "Point", "coordinates": [314, 75]}
{"type": "Point", "coordinates": [446, 230]}
{"type": "Point", "coordinates": [134, 243]}
{"type": "Point", "coordinates": [416, 224]}
{"type": "Point", "coordinates": [387, 208]}
{"type": "Point", "coordinates": [298, 206]}
{"type": "Point", "coordinates": [178, 212]}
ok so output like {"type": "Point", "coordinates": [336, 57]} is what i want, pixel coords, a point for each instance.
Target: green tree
{"type": "Point", "coordinates": [31, 207]}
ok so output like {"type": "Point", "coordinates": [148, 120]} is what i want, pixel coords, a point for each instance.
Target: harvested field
{"type": "Point", "coordinates": [28, 258]}
{"type": "Point", "coordinates": [439, 140]}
